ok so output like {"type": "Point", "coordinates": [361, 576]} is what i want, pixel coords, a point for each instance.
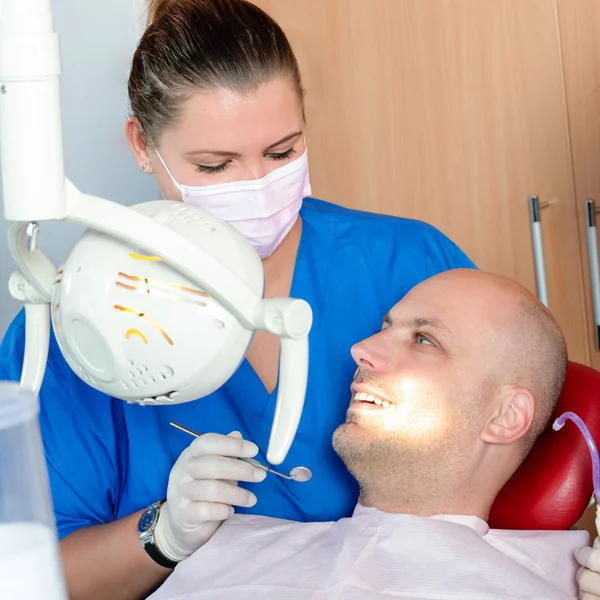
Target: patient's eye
{"type": "Point", "coordinates": [423, 339]}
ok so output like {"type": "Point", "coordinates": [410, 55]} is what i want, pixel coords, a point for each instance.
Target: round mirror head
{"type": "Point", "coordinates": [301, 473]}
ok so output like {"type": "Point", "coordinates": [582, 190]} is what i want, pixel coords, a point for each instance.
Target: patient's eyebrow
{"type": "Point", "coordinates": [422, 322]}
{"type": "Point", "coordinates": [419, 323]}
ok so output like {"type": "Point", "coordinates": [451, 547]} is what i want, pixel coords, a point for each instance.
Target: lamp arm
{"type": "Point", "coordinates": [141, 231]}
{"type": "Point", "coordinates": [30, 118]}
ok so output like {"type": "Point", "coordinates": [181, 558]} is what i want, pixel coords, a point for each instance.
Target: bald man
{"type": "Point", "coordinates": [447, 401]}
{"type": "Point", "coordinates": [473, 366]}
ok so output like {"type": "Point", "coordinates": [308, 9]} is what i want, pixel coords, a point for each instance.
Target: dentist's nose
{"type": "Point", "coordinates": [251, 169]}
{"type": "Point", "coordinates": [258, 172]}
{"type": "Point", "coordinates": [256, 169]}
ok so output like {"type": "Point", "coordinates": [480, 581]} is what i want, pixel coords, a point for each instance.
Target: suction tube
{"type": "Point", "coordinates": [558, 424]}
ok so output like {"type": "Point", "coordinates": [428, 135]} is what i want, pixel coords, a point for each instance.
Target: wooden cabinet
{"type": "Point", "coordinates": [455, 112]}
{"type": "Point", "coordinates": [579, 28]}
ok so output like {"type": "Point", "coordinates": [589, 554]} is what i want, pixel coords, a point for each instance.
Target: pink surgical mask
{"type": "Point", "coordinates": [262, 210]}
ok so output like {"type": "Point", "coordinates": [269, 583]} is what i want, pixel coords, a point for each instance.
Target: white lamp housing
{"type": "Point", "coordinates": [153, 335]}
{"type": "Point", "coordinates": [157, 303]}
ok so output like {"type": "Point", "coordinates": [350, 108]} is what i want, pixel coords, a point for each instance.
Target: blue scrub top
{"type": "Point", "coordinates": [107, 459]}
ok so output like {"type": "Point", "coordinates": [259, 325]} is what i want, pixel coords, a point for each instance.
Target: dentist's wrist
{"type": "Point", "coordinates": [148, 526]}
{"type": "Point", "coordinates": [165, 541]}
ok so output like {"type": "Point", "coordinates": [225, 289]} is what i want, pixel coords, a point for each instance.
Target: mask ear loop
{"type": "Point", "coordinates": [177, 185]}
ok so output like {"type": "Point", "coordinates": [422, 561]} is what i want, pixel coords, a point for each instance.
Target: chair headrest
{"type": "Point", "coordinates": [552, 487]}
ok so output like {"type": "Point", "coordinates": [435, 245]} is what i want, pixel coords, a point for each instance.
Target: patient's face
{"type": "Point", "coordinates": [421, 389]}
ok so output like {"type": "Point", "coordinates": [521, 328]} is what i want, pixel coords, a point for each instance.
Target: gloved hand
{"type": "Point", "coordinates": [202, 491]}
{"type": "Point", "coordinates": [588, 577]}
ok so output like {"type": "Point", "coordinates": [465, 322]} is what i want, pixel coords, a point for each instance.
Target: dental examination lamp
{"type": "Point", "coordinates": [156, 303]}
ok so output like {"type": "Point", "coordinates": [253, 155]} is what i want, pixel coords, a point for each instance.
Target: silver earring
{"type": "Point", "coordinates": [143, 166]}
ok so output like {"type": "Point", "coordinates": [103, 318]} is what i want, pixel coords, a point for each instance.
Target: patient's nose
{"type": "Point", "coordinates": [371, 355]}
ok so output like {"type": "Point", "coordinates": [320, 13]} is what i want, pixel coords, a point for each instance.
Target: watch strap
{"type": "Point", "coordinates": [147, 537]}
{"type": "Point", "coordinates": [158, 557]}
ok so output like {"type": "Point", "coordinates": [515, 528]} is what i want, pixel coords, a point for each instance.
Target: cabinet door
{"type": "Point", "coordinates": [579, 26]}
{"type": "Point", "coordinates": [452, 112]}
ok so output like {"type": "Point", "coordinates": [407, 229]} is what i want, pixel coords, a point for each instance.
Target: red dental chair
{"type": "Point", "coordinates": [553, 486]}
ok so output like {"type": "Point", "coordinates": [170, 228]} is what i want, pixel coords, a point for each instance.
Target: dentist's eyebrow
{"type": "Point", "coordinates": [213, 152]}
{"type": "Point", "coordinates": [231, 154]}
{"type": "Point", "coordinates": [287, 138]}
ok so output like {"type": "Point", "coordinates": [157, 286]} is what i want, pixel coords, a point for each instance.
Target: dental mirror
{"type": "Point", "coordinates": [300, 474]}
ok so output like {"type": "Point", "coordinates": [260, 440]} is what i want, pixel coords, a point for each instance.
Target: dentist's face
{"type": "Point", "coordinates": [423, 382]}
{"type": "Point", "coordinates": [223, 136]}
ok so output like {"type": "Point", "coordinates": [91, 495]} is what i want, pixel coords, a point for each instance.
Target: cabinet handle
{"type": "Point", "coordinates": [538, 248]}
{"type": "Point", "coordinates": [590, 211]}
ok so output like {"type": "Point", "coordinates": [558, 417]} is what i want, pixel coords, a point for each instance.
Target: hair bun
{"type": "Point", "coordinates": [158, 8]}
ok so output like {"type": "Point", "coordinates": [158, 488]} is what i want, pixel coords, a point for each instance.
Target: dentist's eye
{"type": "Point", "coordinates": [215, 169]}
{"type": "Point", "coordinates": [282, 155]}
{"type": "Point", "coordinates": [424, 340]}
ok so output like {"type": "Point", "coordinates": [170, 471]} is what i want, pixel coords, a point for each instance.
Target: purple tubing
{"type": "Point", "coordinates": [590, 442]}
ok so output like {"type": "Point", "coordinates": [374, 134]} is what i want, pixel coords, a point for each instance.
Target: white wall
{"type": "Point", "coordinates": [97, 42]}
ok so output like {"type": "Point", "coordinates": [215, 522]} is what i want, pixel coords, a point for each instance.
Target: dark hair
{"type": "Point", "coordinates": [192, 45]}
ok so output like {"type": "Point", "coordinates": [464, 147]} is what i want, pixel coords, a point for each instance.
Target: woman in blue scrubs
{"type": "Point", "coordinates": [216, 99]}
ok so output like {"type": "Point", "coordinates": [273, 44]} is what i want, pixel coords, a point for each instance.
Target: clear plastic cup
{"type": "Point", "coordinates": [29, 559]}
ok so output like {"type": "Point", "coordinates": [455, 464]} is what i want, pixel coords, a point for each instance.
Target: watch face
{"type": "Point", "coordinates": [147, 519]}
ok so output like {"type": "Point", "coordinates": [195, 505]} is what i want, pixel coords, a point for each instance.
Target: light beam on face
{"type": "Point", "coordinates": [410, 412]}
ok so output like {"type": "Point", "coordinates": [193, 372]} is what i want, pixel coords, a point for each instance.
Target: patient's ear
{"type": "Point", "coordinates": [510, 415]}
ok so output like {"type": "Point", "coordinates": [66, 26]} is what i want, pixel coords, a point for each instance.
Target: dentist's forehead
{"type": "Point", "coordinates": [226, 120]}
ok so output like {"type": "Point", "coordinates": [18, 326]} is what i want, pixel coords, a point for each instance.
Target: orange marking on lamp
{"type": "Point", "coordinates": [143, 316]}
{"type": "Point", "coordinates": [59, 324]}
{"type": "Point", "coordinates": [136, 332]}
{"type": "Point", "coordinates": [143, 257]}
{"type": "Point", "coordinates": [159, 283]}
{"type": "Point", "coordinates": [130, 277]}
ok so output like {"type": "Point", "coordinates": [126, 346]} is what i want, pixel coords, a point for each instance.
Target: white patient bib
{"type": "Point", "coordinates": [377, 556]}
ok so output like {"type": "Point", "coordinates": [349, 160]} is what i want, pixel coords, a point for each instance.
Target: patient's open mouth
{"type": "Point", "coordinates": [363, 397]}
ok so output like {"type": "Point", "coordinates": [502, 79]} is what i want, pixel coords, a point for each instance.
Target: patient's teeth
{"type": "Point", "coordinates": [364, 397]}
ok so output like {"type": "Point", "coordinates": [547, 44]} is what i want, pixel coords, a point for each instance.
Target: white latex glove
{"type": "Point", "coordinates": [202, 491]}
{"type": "Point", "coordinates": [588, 577]}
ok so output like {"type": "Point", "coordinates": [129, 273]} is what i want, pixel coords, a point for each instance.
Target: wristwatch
{"type": "Point", "coordinates": [146, 527]}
